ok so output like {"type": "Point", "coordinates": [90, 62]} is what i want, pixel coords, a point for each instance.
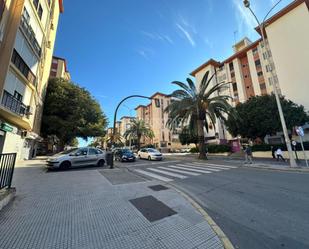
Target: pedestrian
{"type": "Point", "coordinates": [248, 154]}
{"type": "Point", "coordinates": [279, 154]}
{"type": "Point", "coordinates": [273, 152]}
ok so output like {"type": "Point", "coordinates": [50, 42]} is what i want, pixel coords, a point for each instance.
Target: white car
{"type": "Point", "coordinates": [77, 157]}
{"type": "Point", "coordinates": [150, 154]}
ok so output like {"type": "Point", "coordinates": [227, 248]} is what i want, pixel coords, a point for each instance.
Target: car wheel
{"type": "Point", "coordinates": [149, 158]}
{"type": "Point", "coordinates": [101, 163]}
{"type": "Point", "coordinates": [65, 165]}
{"type": "Point", "coordinates": [139, 156]}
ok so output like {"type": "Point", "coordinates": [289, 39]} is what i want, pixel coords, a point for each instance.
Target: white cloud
{"type": "Point", "coordinates": [146, 53]}
{"type": "Point", "coordinates": [245, 20]}
{"type": "Point", "coordinates": [186, 34]}
{"type": "Point", "coordinates": [158, 37]}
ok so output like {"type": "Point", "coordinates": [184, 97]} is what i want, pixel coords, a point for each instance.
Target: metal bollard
{"type": "Point", "coordinates": [110, 159]}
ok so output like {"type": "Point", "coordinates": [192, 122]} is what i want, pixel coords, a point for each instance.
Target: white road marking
{"type": "Point", "coordinates": [162, 178]}
{"type": "Point", "coordinates": [190, 169]}
{"type": "Point", "coordinates": [215, 165]}
{"type": "Point", "coordinates": [180, 171]}
{"type": "Point", "coordinates": [201, 167]}
{"type": "Point", "coordinates": [168, 173]}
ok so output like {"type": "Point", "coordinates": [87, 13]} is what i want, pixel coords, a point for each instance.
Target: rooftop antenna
{"type": "Point", "coordinates": [235, 34]}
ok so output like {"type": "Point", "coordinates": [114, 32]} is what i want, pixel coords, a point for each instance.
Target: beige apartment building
{"type": "Point", "coordinates": [27, 37]}
{"type": "Point", "coordinates": [249, 68]}
{"type": "Point", "coordinates": [156, 118]}
{"type": "Point", "coordinates": [59, 69]}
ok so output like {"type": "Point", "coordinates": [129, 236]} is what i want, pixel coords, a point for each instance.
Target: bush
{"type": "Point", "coordinates": [214, 148]}
{"type": "Point", "coordinates": [194, 150]}
{"type": "Point", "coordinates": [218, 148]}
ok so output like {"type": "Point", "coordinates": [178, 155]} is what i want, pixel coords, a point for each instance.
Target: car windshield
{"type": "Point", "coordinates": [65, 152]}
{"type": "Point", "coordinates": [126, 151]}
{"type": "Point", "coordinates": [153, 150]}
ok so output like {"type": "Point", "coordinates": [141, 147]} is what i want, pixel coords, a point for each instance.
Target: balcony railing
{"type": "Point", "coordinates": [30, 35]}
{"type": "Point", "coordinates": [13, 104]}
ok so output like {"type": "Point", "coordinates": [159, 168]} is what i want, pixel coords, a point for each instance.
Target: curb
{"type": "Point", "coordinates": [302, 170]}
{"type": "Point", "coordinates": [6, 196]}
{"type": "Point", "coordinates": [224, 239]}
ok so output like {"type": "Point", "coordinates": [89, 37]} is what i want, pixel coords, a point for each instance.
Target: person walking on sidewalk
{"type": "Point", "coordinates": [279, 154]}
{"type": "Point", "coordinates": [273, 152]}
{"type": "Point", "coordinates": [248, 154]}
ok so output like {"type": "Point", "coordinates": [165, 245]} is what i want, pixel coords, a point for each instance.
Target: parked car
{"type": "Point", "coordinates": [150, 154]}
{"type": "Point", "coordinates": [124, 155]}
{"type": "Point", "coordinates": [77, 157]}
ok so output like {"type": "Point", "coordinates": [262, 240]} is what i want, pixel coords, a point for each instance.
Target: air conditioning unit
{"type": "Point", "coordinates": [29, 110]}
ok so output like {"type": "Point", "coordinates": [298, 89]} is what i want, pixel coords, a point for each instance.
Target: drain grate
{"type": "Point", "coordinates": [152, 208]}
{"type": "Point", "coordinates": [158, 187]}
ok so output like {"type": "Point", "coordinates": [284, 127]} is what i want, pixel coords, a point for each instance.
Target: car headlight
{"type": "Point", "coordinates": [124, 156]}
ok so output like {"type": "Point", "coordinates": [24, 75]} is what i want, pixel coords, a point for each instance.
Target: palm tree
{"type": "Point", "coordinates": [137, 130]}
{"type": "Point", "coordinates": [198, 107]}
{"type": "Point", "coordinates": [116, 139]}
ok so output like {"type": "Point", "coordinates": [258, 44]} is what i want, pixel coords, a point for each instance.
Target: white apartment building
{"type": "Point", "coordinates": [28, 31]}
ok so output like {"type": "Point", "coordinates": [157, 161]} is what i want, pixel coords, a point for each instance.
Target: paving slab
{"type": "Point", "coordinates": [85, 209]}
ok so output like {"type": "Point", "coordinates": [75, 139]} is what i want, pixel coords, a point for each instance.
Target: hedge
{"type": "Point", "coordinates": [214, 148]}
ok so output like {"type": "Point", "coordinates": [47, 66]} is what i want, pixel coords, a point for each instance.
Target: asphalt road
{"type": "Point", "coordinates": [257, 209]}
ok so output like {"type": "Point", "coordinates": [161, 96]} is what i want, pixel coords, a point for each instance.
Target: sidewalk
{"type": "Point", "coordinates": [93, 208]}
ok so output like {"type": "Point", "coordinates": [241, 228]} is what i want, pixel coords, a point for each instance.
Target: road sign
{"type": "Point", "coordinates": [300, 131]}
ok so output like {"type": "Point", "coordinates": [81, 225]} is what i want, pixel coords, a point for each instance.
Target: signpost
{"type": "Point", "coordinates": [294, 146]}
{"type": "Point", "coordinates": [300, 133]}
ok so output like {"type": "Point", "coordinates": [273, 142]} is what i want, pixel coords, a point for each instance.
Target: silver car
{"type": "Point", "coordinates": [77, 157]}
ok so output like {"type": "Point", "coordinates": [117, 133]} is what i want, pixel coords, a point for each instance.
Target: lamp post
{"type": "Point", "coordinates": [157, 103]}
{"type": "Point", "coordinates": [262, 29]}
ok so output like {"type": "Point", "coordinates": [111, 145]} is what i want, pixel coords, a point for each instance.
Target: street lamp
{"type": "Point", "coordinates": [262, 28]}
{"type": "Point", "coordinates": [157, 104]}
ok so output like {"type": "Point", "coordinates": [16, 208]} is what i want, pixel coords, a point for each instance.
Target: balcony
{"type": "Point", "coordinates": [13, 104]}
{"type": "Point", "coordinates": [29, 33]}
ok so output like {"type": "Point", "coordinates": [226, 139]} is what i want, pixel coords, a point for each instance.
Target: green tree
{"type": "Point", "coordinates": [198, 106]}
{"type": "Point", "coordinates": [188, 136]}
{"type": "Point", "coordinates": [70, 112]}
{"type": "Point", "coordinates": [137, 130]}
{"type": "Point", "coordinates": [259, 117]}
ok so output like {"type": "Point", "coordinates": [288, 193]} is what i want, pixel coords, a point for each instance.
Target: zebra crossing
{"type": "Point", "coordinates": [168, 173]}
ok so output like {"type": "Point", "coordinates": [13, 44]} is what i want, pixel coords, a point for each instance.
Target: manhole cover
{"type": "Point", "coordinates": [152, 209]}
{"type": "Point", "coordinates": [158, 187]}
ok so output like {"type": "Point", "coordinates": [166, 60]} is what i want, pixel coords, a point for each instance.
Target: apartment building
{"type": "Point", "coordinates": [27, 37]}
{"type": "Point", "coordinates": [156, 118]}
{"type": "Point", "coordinates": [254, 66]}
{"type": "Point", "coordinates": [59, 69]}
{"type": "Point", "coordinates": [288, 36]}
{"type": "Point", "coordinates": [125, 124]}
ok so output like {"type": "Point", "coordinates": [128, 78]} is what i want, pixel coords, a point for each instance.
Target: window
{"type": "Point", "coordinates": [232, 74]}
{"type": "Point", "coordinates": [263, 86]}
{"type": "Point", "coordinates": [92, 151]}
{"type": "Point", "coordinates": [26, 15]}
{"type": "Point", "coordinates": [2, 6]}
{"type": "Point", "coordinates": [246, 76]}
{"type": "Point", "coordinates": [18, 96]}
{"type": "Point", "coordinates": [82, 152]}
{"type": "Point", "coordinates": [36, 3]}
{"type": "Point", "coordinates": [234, 87]}
{"type": "Point", "coordinates": [22, 66]}
{"type": "Point", "coordinates": [257, 63]}
{"type": "Point", "coordinates": [260, 73]}
{"type": "Point", "coordinates": [255, 50]}
{"type": "Point", "coordinates": [231, 65]}
{"type": "Point", "coordinates": [40, 12]}
{"type": "Point", "coordinates": [268, 68]}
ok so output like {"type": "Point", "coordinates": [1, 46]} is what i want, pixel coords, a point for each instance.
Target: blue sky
{"type": "Point", "coordinates": [116, 48]}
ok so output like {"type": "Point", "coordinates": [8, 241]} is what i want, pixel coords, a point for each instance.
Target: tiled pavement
{"type": "Point", "coordinates": [82, 209]}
